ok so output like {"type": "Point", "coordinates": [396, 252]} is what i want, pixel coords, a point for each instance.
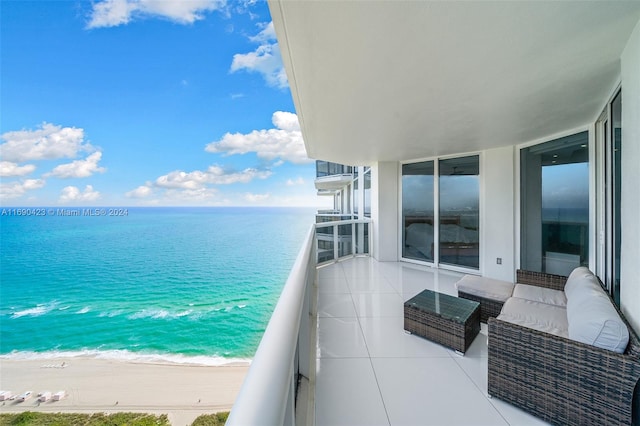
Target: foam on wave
{"type": "Point", "coordinates": [40, 309]}
{"type": "Point", "coordinates": [128, 356]}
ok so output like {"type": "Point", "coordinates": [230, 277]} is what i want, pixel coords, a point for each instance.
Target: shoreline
{"type": "Point", "coordinates": [182, 391]}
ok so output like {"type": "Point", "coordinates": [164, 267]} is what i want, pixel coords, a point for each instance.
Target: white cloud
{"type": "Point", "coordinates": [72, 194]}
{"type": "Point", "coordinates": [180, 187]}
{"type": "Point", "coordinates": [191, 195]}
{"type": "Point", "coordinates": [49, 142]}
{"type": "Point", "coordinates": [285, 142]}
{"type": "Point", "coordinates": [286, 121]}
{"type": "Point", "coordinates": [267, 34]}
{"type": "Point", "coordinates": [9, 169]}
{"type": "Point", "coordinates": [256, 198]}
{"type": "Point", "coordinates": [17, 189]}
{"type": "Point", "coordinates": [112, 13]}
{"type": "Point", "coordinates": [79, 168]}
{"type": "Point", "coordinates": [143, 191]}
{"type": "Point", "coordinates": [214, 175]}
{"type": "Point", "coordinates": [266, 59]}
{"type": "Point", "coordinates": [298, 181]}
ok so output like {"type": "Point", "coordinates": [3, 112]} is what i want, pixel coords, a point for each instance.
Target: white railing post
{"type": "Point", "coordinates": [336, 243]}
{"type": "Point", "coordinates": [354, 241]}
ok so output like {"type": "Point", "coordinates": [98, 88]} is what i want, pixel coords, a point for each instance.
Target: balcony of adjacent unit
{"type": "Point", "coordinates": [332, 177]}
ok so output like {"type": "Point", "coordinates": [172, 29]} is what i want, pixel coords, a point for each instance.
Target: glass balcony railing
{"type": "Point", "coordinates": [339, 236]}
{"type": "Point", "coordinates": [326, 168]}
{"type": "Point", "coordinates": [279, 387]}
{"type": "Point", "coordinates": [285, 360]}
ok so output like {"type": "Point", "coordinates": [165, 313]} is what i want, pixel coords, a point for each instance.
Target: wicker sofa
{"type": "Point", "coordinates": [560, 380]}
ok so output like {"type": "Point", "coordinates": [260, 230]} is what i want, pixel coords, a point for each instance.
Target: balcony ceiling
{"type": "Point", "coordinates": [400, 80]}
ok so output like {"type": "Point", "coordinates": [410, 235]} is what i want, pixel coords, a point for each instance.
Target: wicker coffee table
{"type": "Point", "coordinates": [444, 319]}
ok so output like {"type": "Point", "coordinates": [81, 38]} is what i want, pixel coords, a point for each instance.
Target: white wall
{"type": "Point", "coordinates": [630, 204]}
{"type": "Point", "coordinates": [498, 220]}
{"type": "Point", "coordinates": [384, 211]}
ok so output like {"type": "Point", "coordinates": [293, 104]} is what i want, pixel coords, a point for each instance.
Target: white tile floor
{"type": "Point", "coordinates": [370, 372]}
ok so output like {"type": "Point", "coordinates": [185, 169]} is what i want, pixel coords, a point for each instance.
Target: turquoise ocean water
{"type": "Point", "coordinates": [188, 285]}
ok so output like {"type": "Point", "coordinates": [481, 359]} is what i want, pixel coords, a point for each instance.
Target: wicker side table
{"type": "Point", "coordinates": [447, 320]}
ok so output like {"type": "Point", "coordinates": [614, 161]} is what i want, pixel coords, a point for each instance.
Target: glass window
{"type": "Point", "coordinates": [417, 211]}
{"type": "Point", "coordinates": [616, 184]}
{"type": "Point", "coordinates": [459, 220]}
{"type": "Point", "coordinates": [555, 205]}
{"type": "Point", "coordinates": [322, 168]}
{"type": "Point", "coordinates": [355, 196]}
{"type": "Point", "coordinates": [367, 193]}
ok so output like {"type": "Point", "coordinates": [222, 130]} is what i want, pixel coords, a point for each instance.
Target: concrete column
{"type": "Point", "coordinates": [384, 210]}
{"type": "Point", "coordinates": [497, 229]}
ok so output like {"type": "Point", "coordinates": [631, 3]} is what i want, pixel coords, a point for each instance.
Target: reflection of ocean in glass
{"type": "Point", "coordinates": [566, 231]}
{"type": "Point", "coordinates": [171, 283]}
{"type": "Point", "coordinates": [555, 205]}
{"type": "Point", "coordinates": [565, 216]}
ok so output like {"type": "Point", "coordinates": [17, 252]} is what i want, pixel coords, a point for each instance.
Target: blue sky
{"type": "Point", "coordinates": [147, 102]}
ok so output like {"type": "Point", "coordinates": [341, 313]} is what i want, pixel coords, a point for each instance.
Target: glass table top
{"type": "Point", "coordinates": [448, 307]}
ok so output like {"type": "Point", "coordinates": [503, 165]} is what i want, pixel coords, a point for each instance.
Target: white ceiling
{"type": "Point", "coordinates": [399, 80]}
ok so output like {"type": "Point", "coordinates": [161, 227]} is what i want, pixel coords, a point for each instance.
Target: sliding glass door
{"type": "Point", "coordinates": [459, 218]}
{"type": "Point", "coordinates": [418, 211]}
{"type": "Point", "coordinates": [608, 161]}
{"type": "Point", "coordinates": [613, 201]}
{"type": "Point", "coordinates": [442, 227]}
{"type": "Point", "coordinates": [554, 188]}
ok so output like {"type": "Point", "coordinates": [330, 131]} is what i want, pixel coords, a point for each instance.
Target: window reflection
{"type": "Point", "coordinates": [555, 205]}
{"type": "Point", "coordinates": [417, 211]}
{"type": "Point", "coordinates": [460, 211]}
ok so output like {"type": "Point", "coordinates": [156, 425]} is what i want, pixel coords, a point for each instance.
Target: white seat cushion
{"type": "Point", "coordinates": [536, 315]}
{"type": "Point", "coordinates": [487, 288]}
{"type": "Point", "coordinates": [540, 294]}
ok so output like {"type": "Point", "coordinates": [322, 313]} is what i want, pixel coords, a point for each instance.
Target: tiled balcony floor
{"type": "Point", "coordinates": [370, 372]}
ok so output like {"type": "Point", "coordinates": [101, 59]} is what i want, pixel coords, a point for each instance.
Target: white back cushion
{"type": "Point", "coordinates": [591, 316]}
{"type": "Point", "coordinates": [576, 279]}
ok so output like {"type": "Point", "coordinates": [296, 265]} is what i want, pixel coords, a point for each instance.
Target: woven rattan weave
{"type": "Point", "coordinates": [444, 319]}
{"type": "Point", "coordinates": [562, 381]}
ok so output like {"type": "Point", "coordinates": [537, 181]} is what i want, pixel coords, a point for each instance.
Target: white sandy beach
{"type": "Point", "coordinates": [95, 385]}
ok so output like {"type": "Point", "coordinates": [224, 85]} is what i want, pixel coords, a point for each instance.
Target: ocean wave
{"type": "Point", "coordinates": [128, 356]}
{"type": "Point", "coordinates": [111, 314]}
{"type": "Point", "coordinates": [84, 310]}
{"type": "Point", "coordinates": [160, 314]}
{"type": "Point", "coordinates": [40, 309]}
{"type": "Point", "coordinates": [228, 308]}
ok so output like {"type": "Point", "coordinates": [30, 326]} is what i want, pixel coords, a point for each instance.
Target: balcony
{"type": "Point", "coordinates": [370, 372]}
{"type": "Point", "coordinates": [335, 353]}
{"type": "Point", "coordinates": [331, 183]}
